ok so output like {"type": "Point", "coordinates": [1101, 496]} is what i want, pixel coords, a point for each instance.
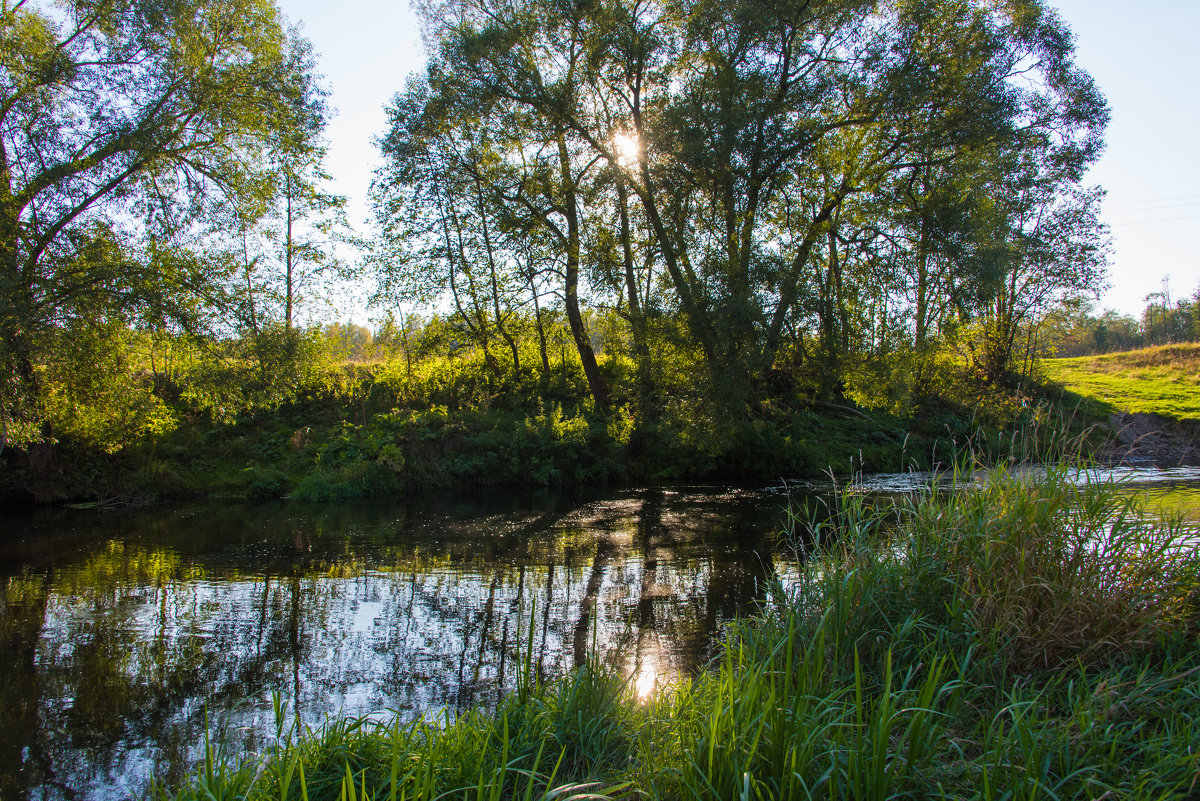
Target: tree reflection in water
{"type": "Point", "coordinates": [121, 635]}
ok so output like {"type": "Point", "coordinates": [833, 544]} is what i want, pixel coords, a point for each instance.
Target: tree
{"type": "Point", "coordinates": [310, 219]}
{"type": "Point", "coordinates": [1050, 247]}
{"type": "Point", "coordinates": [122, 121]}
{"type": "Point", "coordinates": [438, 238]}
{"type": "Point", "coordinates": [756, 126]}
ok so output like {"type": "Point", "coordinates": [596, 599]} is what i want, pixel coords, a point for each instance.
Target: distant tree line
{"type": "Point", "coordinates": [1079, 330]}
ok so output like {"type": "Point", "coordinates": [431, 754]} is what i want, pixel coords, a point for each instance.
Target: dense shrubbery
{"type": "Point", "coordinates": [284, 413]}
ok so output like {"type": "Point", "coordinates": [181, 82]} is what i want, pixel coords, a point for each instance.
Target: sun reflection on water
{"type": "Point", "coordinates": [645, 682]}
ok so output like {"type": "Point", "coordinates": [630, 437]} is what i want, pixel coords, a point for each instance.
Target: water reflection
{"type": "Point", "coordinates": [121, 634]}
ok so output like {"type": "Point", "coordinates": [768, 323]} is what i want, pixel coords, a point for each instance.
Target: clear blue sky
{"type": "Point", "coordinates": [1143, 55]}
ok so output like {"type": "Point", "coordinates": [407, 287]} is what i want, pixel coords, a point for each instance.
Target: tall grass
{"type": "Point", "coordinates": [1027, 635]}
{"type": "Point", "coordinates": [567, 740]}
{"type": "Point", "coordinates": [1018, 635]}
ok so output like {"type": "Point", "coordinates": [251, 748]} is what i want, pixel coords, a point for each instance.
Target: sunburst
{"type": "Point", "coordinates": [628, 149]}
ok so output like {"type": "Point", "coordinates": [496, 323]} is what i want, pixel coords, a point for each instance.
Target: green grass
{"type": "Point", "coordinates": [1017, 638]}
{"type": "Point", "coordinates": [1163, 380]}
{"type": "Point", "coordinates": [285, 416]}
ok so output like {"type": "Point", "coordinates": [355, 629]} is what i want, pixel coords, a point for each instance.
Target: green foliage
{"type": "Point", "coordinates": [248, 374]}
{"type": "Point", "coordinates": [95, 396]}
{"type": "Point", "coordinates": [1037, 568]}
{"type": "Point", "coordinates": [531, 153]}
{"type": "Point", "coordinates": [561, 741]}
{"type": "Point", "coordinates": [1078, 330]}
{"type": "Point", "coordinates": [266, 482]}
{"type": "Point", "coordinates": [973, 649]}
{"type": "Point", "coordinates": [277, 413]}
{"type": "Point", "coordinates": [682, 283]}
{"type": "Point", "coordinates": [427, 449]}
{"type": "Point", "coordinates": [108, 167]}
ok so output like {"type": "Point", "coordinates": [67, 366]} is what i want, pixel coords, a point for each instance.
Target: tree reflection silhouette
{"type": "Point", "coordinates": [117, 648]}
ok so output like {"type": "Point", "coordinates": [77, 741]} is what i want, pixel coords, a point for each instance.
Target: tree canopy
{"type": "Point", "coordinates": [858, 171]}
{"type": "Point", "coordinates": [120, 123]}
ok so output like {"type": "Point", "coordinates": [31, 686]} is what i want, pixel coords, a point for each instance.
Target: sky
{"type": "Point", "coordinates": [1142, 55]}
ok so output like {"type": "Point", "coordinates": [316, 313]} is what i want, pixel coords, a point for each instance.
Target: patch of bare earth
{"type": "Point", "coordinates": [1141, 438]}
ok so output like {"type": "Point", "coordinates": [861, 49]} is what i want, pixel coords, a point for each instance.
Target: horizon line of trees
{"type": "Point", "coordinates": [1078, 329]}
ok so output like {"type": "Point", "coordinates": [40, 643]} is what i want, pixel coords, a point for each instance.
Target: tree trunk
{"type": "Point", "coordinates": [922, 311]}
{"type": "Point", "coordinates": [541, 329]}
{"type": "Point", "coordinates": [586, 355]}
{"type": "Point", "coordinates": [491, 256]}
{"type": "Point", "coordinates": [637, 320]}
{"type": "Point", "coordinates": [288, 254]}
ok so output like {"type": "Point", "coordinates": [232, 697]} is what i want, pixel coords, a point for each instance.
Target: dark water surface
{"type": "Point", "coordinates": [122, 632]}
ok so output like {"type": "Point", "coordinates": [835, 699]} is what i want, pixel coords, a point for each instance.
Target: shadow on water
{"type": "Point", "coordinates": [122, 635]}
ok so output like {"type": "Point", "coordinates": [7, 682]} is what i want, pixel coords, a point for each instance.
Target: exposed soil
{"type": "Point", "coordinates": [1142, 438]}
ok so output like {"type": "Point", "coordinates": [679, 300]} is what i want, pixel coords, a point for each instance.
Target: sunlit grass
{"type": "Point", "coordinates": [1162, 380]}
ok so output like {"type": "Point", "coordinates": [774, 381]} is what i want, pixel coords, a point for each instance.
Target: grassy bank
{"type": "Point", "coordinates": [289, 413]}
{"type": "Point", "coordinates": [344, 430]}
{"type": "Point", "coordinates": [1019, 638]}
{"type": "Point", "coordinates": [1162, 380]}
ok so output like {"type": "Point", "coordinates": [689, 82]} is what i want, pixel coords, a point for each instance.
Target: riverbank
{"type": "Point", "coordinates": [1163, 380]}
{"type": "Point", "coordinates": [1146, 402]}
{"type": "Point", "coordinates": [982, 647]}
{"type": "Point", "coordinates": [345, 431]}
{"type": "Point", "coordinates": [359, 431]}
{"type": "Point", "coordinates": [324, 450]}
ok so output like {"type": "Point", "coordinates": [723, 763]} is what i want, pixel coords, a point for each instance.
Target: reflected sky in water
{"type": "Point", "coordinates": [120, 633]}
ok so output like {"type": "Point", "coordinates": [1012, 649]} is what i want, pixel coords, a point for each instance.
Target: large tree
{"type": "Point", "coordinates": [120, 122]}
{"type": "Point", "coordinates": [745, 130]}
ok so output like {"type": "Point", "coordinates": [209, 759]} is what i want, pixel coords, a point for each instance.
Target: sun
{"type": "Point", "coordinates": [628, 149]}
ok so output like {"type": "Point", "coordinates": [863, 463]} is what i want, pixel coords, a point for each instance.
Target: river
{"type": "Point", "coordinates": [125, 634]}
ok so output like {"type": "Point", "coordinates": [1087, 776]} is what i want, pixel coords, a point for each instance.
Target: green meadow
{"type": "Point", "coordinates": [1161, 380]}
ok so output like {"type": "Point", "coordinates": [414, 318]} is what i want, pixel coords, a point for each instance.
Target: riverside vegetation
{"type": "Point", "coordinates": [642, 242]}
{"type": "Point", "coordinates": [299, 414]}
{"type": "Point", "coordinates": [653, 242]}
{"type": "Point", "coordinates": [1020, 635]}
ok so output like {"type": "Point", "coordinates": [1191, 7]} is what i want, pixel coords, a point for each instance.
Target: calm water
{"type": "Point", "coordinates": [121, 632]}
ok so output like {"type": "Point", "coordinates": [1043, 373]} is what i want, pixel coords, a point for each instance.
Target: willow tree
{"type": "Point", "coordinates": [474, 193]}
{"type": "Point", "coordinates": [440, 238]}
{"type": "Point", "coordinates": [742, 128]}
{"type": "Point", "coordinates": [120, 122]}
